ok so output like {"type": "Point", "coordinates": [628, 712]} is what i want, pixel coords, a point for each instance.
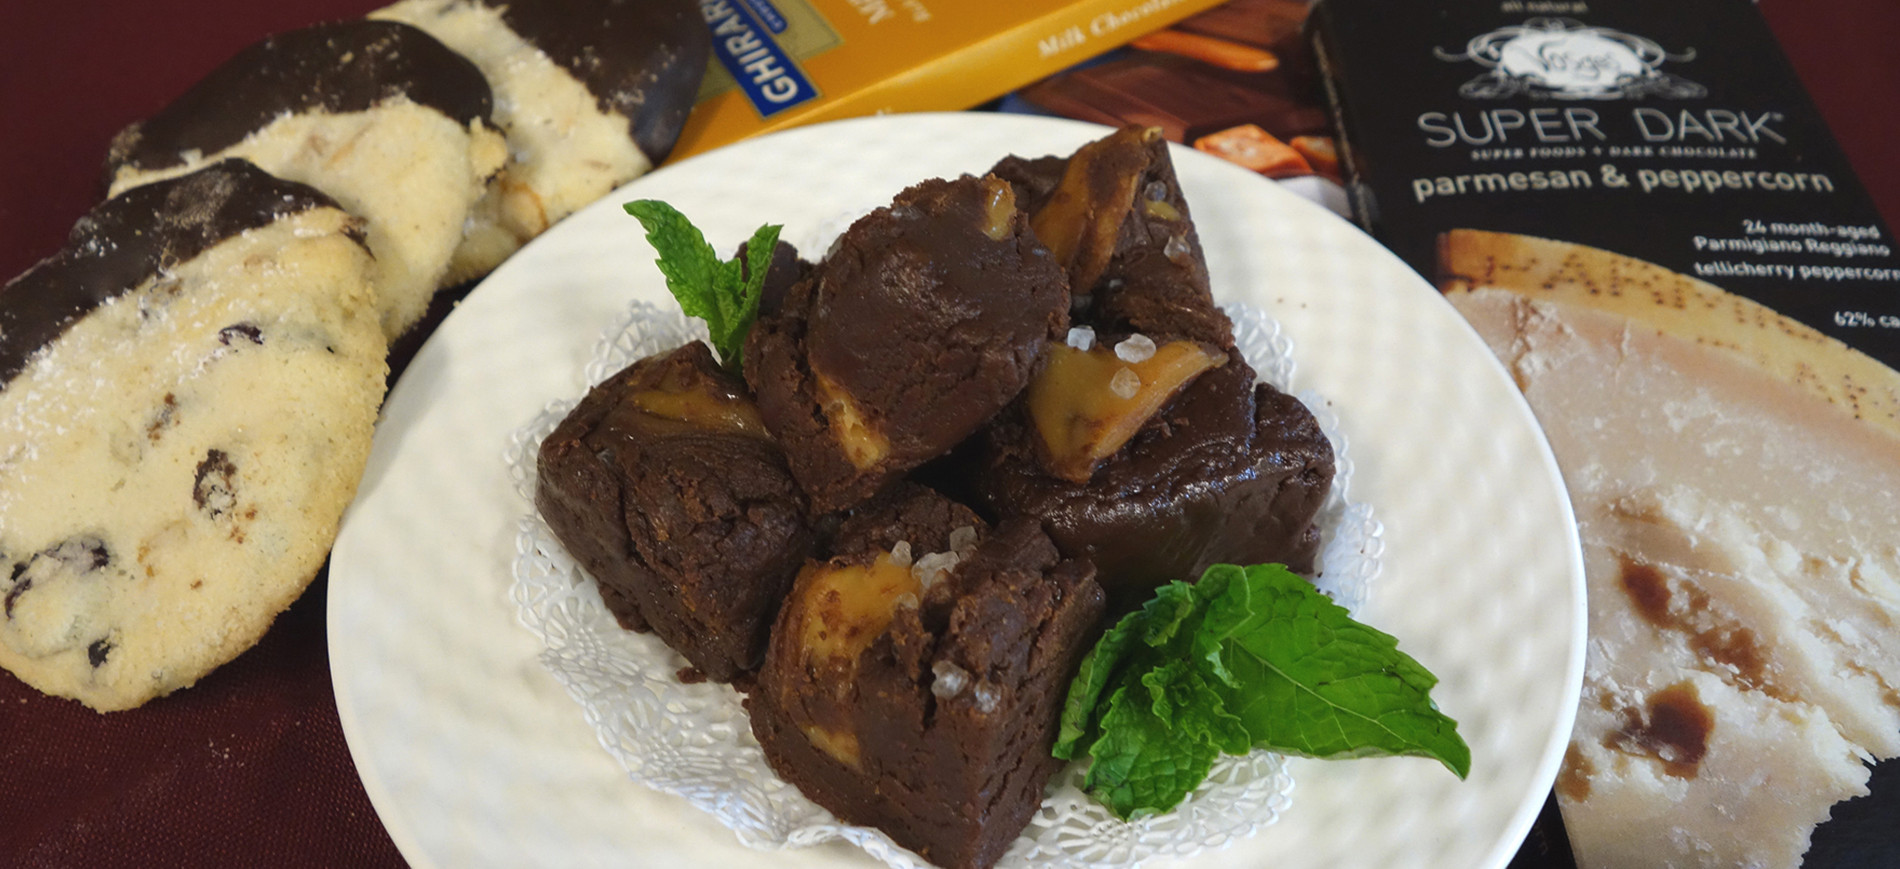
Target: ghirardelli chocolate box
{"type": "Point", "coordinates": [1638, 208]}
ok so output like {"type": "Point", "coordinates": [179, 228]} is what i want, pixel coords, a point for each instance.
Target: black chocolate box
{"type": "Point", "coordinates": [1546, 146]}
{"type": "Point", "coordinates": [1673, 132]}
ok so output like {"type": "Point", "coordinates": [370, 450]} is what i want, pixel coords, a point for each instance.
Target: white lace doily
{"type": "Point", "coordinates": [693, 740]}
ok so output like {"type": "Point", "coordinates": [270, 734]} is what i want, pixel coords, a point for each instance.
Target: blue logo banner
{"type": "Point", "coordinates": [767, 74]}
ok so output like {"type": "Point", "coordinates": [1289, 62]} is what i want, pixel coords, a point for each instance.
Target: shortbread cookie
{"type": "Point", "coordinates": [376, 114]}
{"type": "Point", "coordinates": [1736, 480]}
{"type": "Point", "coordinates": [591, 94]}
{"type": "Point", "coordinates": [190, 387]}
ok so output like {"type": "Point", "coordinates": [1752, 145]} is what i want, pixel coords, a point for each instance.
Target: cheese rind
{"type": "Point", "coordinates": [1693, 310]}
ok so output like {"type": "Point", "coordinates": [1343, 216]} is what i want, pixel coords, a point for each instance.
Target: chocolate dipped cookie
{"type": "Point", "coordinates": [590, 94]}
{"type": "Point", "coordinates": [377, 114]}
{"type": "Point", "coordinates": [190, 388]}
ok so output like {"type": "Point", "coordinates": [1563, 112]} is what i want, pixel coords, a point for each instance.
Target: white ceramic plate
{"type": "Point", "coordinates": [474, 756]}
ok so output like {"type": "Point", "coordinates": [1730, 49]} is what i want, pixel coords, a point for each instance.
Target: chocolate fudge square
{"type": "Point", "coordinates": [664, 485]}
{"type": "Point", "coordinates": [1228, 472]}
{"type": "Point", "coordinates": [923, 321]}
{"type": "Point", "coordinates": [917, 690]}
{"type": "Point", "coordinates": [1114, 215]}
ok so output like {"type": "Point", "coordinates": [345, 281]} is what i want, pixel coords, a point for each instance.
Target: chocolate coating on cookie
{"type": "Point", "coordinates": [640, 58]}
{"type": "Point", "coordinates": [345, 66]}
{"type": "Point", "coordinates": [132, 237]}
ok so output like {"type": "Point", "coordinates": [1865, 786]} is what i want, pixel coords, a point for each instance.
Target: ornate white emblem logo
{"type": "Point", "coordinates": [1561, 58]}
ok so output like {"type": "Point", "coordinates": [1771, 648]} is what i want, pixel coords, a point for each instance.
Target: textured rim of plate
{"type": "Point", "coordinates": [355, 608]}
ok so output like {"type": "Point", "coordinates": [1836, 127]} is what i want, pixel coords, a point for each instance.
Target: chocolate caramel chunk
{"type": "Point", "coordinates": [664, 485]}
{"type": "Point", "coordinates": [1136, 263]}
{"type": "Point", "coordinates": [1085, 404]}
{"type": "Point", "coordinates": [1229, 472]}
{"type": "Point", "coordinates": [924, 321]}
{"type": "Point", "coordinates": [917, 691]}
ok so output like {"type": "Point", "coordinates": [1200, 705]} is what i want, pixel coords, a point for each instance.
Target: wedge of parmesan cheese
{"type": "Point", "coordinates": [1736, 479]}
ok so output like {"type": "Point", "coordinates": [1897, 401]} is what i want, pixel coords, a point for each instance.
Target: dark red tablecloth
{"type": "Point", "coordinates": [250, 766]}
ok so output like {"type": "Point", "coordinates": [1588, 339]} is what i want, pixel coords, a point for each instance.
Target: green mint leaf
{"type": "Point", "coordinates": [723, 293]}
{"type": "Point", "coordinates": [1185, 698]}
{"type": "Point", "coordinates": [1246, 658]}
{"type": "Point", "coordinates": [1168, 614]}
{"type": "Point", "coordinates": [1225, 611]}
{"type": "Point", "coordinates": [1079, 709]}
{"type": "Point", "coordinates": [749, 283]}
{"type": "Point", "coordinates": [1152, 625]}
{"type": "Point", "coordinates": [728, 283]}
{"type": "Point", "coordinates": [1140, 765]}
{"type": "Point", "coordinates": [1316, 683]}
{"type": "Point", "coordinates": [686, 260]}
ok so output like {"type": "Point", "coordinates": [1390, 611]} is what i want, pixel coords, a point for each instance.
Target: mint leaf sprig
{"type": "Point", "coordinates": [724, 293]}
{"type": "Point", "coordinates": [1249, 657]}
